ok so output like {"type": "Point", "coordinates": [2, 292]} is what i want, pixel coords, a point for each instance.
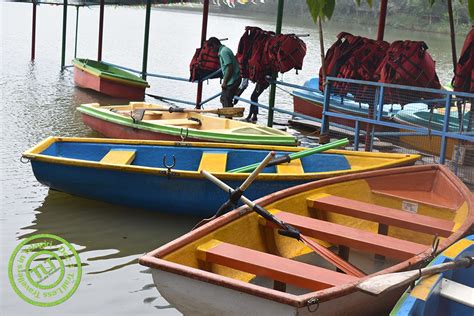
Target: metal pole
{"type": "Point", "coordinates": [271, 101]}
{"type": "Point", "coordinates": [77, 27]}
{"type": "Point", "coordinates": [447, 109]}
{"type": "Point", "coordinates": [101, 30]}
{"type": "Point", "coordinates": [145, 41]}
{"type": "Point", "coordinates": [33, 32]}
{"type": "Point", "coordinates": [205, 14]}
{"type": "Point", "coordinates": [324, 134]}
{"type": "Point", "coordinates": [453, 36]}
{"type": "Point", "coordinates": [63, 51]}
{"type": "Point", "coordinates": [382, 16]}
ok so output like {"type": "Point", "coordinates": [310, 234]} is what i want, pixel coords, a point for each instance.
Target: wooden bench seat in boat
{"type": "Point", "coordinates": [213, 161]}
{"type": "Point", "coordinates": [424, 197]}
{"type": "Point", "coordinates": [349, 236]}
{"type": "Point", "coordinates": [119, 157]}
{"type": "Point", "coordinates": [274, 267]}
{"type": "Point", "coordinates": [175, 122]}
{"type": "Point", "coordinates": [293, 167]}
{"type": "Point", "coordinates": [381, 214]}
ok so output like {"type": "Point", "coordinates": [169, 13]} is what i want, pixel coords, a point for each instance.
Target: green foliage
{"type": "Point", "coordinates": [325, 8]}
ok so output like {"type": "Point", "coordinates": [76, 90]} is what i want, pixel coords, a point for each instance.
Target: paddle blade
{"type": "Point", "coordinates": [382, 283]}
{"type": "Point", "coordinates": [231, 112]}
{"type": "Point", "coordinates": [137, 115]}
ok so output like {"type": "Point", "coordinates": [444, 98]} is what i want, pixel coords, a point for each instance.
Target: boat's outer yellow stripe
{"type": "Point", "coordinates": [457, 248]}
{"type": "Point", "coordinates": [34, 154]}
{"type": "Point", "coordinates": [423, 289]}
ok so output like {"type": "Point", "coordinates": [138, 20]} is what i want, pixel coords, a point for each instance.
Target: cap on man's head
{"type": "Point", "coordinates": [214, 41]}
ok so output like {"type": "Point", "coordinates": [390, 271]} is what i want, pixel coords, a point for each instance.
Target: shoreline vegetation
{"type": "Point", "coordinates": [411, 15]}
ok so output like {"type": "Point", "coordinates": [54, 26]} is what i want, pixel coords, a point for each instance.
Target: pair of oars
{"type": "Point", "coordinates": [374, 285]}
{"type": "Point", "coordinates": [138, 114]}
{"type": "Point", "coordinates": [284, 228]}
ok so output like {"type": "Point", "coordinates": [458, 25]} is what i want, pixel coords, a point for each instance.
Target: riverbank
{"type": "Point", "coordinates": [364, 18]}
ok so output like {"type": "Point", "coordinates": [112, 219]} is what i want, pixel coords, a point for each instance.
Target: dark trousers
{"type": "Point", "coordinates": [228, 93]}
{"type": "Point", "coordinates": [259, 88]}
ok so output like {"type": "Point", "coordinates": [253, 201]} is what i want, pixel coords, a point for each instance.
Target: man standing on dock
{"type": "Point", "coordinates": [231, 70]}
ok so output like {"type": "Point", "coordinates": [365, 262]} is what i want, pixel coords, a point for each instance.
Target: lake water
{"type": "Point", "coordinates": [38, 100]}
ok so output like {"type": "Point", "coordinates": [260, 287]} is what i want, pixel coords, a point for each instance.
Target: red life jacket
{"type": "Point", "coordinates": [244, 51]}
{"type": "Point", "coordinates": [287, 51]}
{"type": "Point", "coordinates": [259, 64]}
{"type": "Point", "coordinates": [408, 63]}
{"type": "Point", "coordinates": [205, 61]}
{"type": "Point", "coordinates": [464, 74]}
{"type": "Point", "coordinates": [337, 55]}
{"type": "Point", "coordinates": [361, 63]}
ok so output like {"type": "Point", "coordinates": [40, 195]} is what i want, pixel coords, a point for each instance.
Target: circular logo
{"type": "Point", "coordinates": [44, 270]}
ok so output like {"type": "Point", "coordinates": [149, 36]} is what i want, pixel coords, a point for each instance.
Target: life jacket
{"type": "Point", "coordinates": [337, 55]}
{"type": "Point", "coordinates": [362, 60]}
{"type": "Point", "coordinates": [408, 63]}
{"type": "Point", "coordinates": [464, 73]}
{"type": "Point", "coordinates": [244, 50]}
{"type": "Point", "coordinates": [205, 61]}
{"type": "Point", "coordinates": [258, 64]}
{"type": "Point", "coordinates": [287, 51]}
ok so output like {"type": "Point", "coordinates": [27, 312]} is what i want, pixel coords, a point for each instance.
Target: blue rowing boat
{"type": "Point", "coordinates": [448, 293]}
{"type": "Point", "coordinates": [165, 176]}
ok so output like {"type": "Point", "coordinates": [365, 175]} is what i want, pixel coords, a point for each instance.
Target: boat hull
{"type": "Point", "coordinates": [314, 109]}
{"type": "Point", "coordinates": [156, 192]}
{"type": "Point", "coordinates": [202, 298]}
{"type": "Point", "coordinates": [118, 89]}
{"type": "Point", "coordinates": [114, 130]}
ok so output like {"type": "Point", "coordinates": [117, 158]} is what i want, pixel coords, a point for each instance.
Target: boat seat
{"type": "Point", "coordinates": [292, 167]}
{"type": "Point", "coordinates": [457, 292]}
{"type": "Point", "coordinates": [213, 161]}
{"type": "Point", "coordinates": [428, 198]}
{"type": "Point", "coordinates": [381, 214]}
{"type": "Point", "coordinates": [175, 122]}
{"type": "Point", "coordinates": [119, 157]}
{"type": "Point", "coordinates": [274, 267]}
{"type": "Point", "coordinates": [349, 236]}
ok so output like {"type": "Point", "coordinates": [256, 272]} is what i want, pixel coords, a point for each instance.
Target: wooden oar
{"type": "Point", "coordinates": [138, 114]}
{"type": "Point", "coordinates": [296, 155]}
{"type": "Point", "coordinates": [382, 283]}
{"type": "Point", "coordinates": [237, 193]}
{"type": "Point", "coordinates": [290, 231]}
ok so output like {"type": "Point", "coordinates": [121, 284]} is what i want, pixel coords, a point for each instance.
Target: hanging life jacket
{"type": "Point", "coordinates": [244, 51]}
{"type": "Point", "coordinates": [336, 56]}
{"type": "Point", "coordinates": [286, 51]}
{"type": "Point", "coordinates": [408, 63]}
{"type": "Point", "coordinates": [205, 62]}
{"type": "Point", "coordinates": [361, 63]}
{"type": "Point", "coordinates": [258, 64]}
{"type": "Point", "coordinates": [464, 73]}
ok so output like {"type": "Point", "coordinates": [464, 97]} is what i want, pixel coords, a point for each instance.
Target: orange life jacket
{"type": "Point", "coordinates": [464, 74]}
{"type": "Point", "coordinates": [205, 62]}
{"type": "Point", "coordinates": [244, 51]}
{"type": "Point", "coordinates": [259, 64]}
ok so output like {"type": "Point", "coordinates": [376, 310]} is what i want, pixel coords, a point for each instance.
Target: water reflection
{"type": "Point", "coordinates": [105, 231]}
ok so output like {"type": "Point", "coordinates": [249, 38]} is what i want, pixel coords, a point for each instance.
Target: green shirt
{"type": "Point", "coordinates": [226, 57]}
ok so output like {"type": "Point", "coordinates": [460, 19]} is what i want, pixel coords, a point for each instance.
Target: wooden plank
{"type": "Point", "coordinates": [119, 157]}
{"type": "Point", "coordinates": [383, 215]}
{"type": "Point", "coordinates": [457, 292]}
{"type": "Point", "coordinates": [213, 162]}
{"type": "Point", "coordinates": [292, 167]}
{"type": "Point", "coordinates": [277, 268]}
{"type": "Point", "coordinates": [350, 237]}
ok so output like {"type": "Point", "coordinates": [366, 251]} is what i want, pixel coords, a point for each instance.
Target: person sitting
{"type": "Point", "coordinates": [230, 69]}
